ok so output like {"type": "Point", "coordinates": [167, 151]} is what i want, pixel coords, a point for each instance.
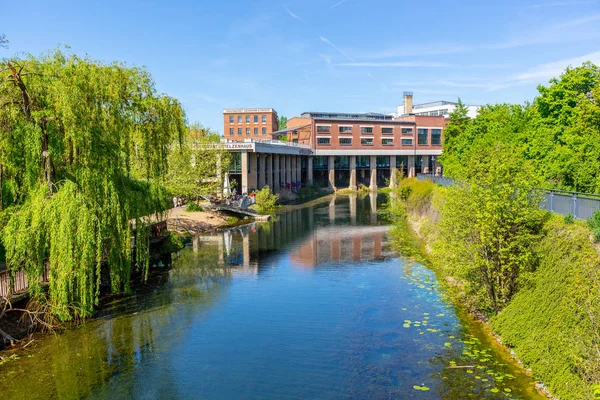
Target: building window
{"type": "Point", "coordinates": [436, 137]}
{"type": "Point", "coordinates": [422, 133]}
{"type": "Point", "coordinates": [444, 111]}
{"type": "Point", "coordinates": [231, 119]}
{"type": "Point", "coordinates": [256, 119]}
{"type": "Point", "coordinates": [387, 141]}
{"type": "Point", "coordinates": [366, 130]}
{"type": "Point", "coordinates": [363, 162]}
{"type": "Point", "coordinates": [247, 131]}
{"type": "Point", "coordinates": [239, 131]}
{"type": "Point", "coordinates": [387, 130]}
{"type": "Point", "coordinates": [345, 129]}
{"type": "Point", "coordinates": [366, 141]}
{"type": "Point", "coordinates": [407, 131]}
{"type": "Point", "coordinates": [406, 142]}
{"type": "Point", "coordinates": [323, 129]}
{"type": "Point", "coordinates": [239, 119]}
{"type": "Point", "coordinates": [264, 130]}
{"type": "Point", "coordinates": [247, 119]}
{"type": "Point", "coordinates": [323, 141]}
{"type": "Point", "coordinates": [231, 131]}
{"type": "Point", "coordinates": [264, 119]}
{"type": "Point", "coordinates": [383, 161]}
{"type": "Point", "coordinates": [255, 131]}
{"type": "Point", "coordinates": [345, 141]}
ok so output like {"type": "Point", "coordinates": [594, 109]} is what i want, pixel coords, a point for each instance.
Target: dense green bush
{"type": "Point", "coordinates": [193, 207]}
{"type": "Point", "coordinates": [568, 218]}
{"type": "Point", "coordinates": [266, 202]}
{"type": "Point", "coordinates": [550, 321]}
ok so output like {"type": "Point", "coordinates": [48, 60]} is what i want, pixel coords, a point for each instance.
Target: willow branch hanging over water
{"type": "Point", "coordinates": [83, 148]}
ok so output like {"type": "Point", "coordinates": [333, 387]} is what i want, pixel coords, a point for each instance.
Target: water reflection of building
{"type": "Point", "coordinates": [343, 230]}
{"type": "Point", "coordinates": [342, 244]}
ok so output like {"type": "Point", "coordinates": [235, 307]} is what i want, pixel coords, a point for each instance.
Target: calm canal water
{"type": "Point", "coordinates": [315, 305]}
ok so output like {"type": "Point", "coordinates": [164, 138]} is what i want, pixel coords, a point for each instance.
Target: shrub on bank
{"type": "Point", "coordinates": [553, 319]}
{"type": "Point", "coordinates": [553, 323]}
{"type": "Point", "coordinates": [193, 207]}
{"type": "Point", "coordinates": [266, 202]}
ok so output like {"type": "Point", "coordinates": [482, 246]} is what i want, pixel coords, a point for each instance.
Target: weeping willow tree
{"type": "Point", "coordinates": [197, 163]}
{"type": "Point", "coordinates": [83, 151]}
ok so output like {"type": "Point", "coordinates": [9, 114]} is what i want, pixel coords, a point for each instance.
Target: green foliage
{"type": "Point", "coordinates": [83, 148]}
{"type": "Point", "coordinates": [282, 123]}
{"type": "Point", "coordinates": [557, 133]}
{"type": "Point", "coordinates": [487, 228]}
{"type": "Point", "coordinates": [417, 194]}
{"type": "Point", "coordinates": [266, 202]}
{"type": "Point", "coordinates": [552, 323]}
{"type": "Point", "coordinates": [194, 161]}
{"type": "Point", "coordinates": [568, 218]}
{"type": "Point", "coordinates": [193, 207]}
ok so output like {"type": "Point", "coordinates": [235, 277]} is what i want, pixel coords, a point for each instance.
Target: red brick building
{"type": "Point", "coordinates": [249, 123]}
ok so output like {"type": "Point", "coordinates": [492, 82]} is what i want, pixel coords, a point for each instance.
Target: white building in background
{"type": "Point", "coordinates": [436, 108]}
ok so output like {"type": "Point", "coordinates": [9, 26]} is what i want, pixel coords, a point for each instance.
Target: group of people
{"type": "Point", "coordinates": [245, 200]}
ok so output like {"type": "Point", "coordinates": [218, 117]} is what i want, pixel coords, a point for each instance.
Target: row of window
{"type": "Point", "coordinates": [436, 139]}
{"type": "Point", "coordinates": [364, 130]}
{"type": "Point", "coordinates": [434, 113]}
{"type": "Point", "coordinates": [239, 131]}
{"type": "Point", "coordinates": [239, 119]}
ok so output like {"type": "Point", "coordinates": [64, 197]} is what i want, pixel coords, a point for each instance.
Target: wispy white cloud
{"type": "Point", "coordinates": [560, 4]}
{"type": "Point", "coordinates": [563, 32]}
{"type": "Point", "coordinates": [554, 69]}
{"type": "Point", "coordinates": [404, 64]}
{"type": "Point", "coordinates": [337, 4]}
{"type": "Point", "coordinates": [413, 50]}
{"type": "Point", "coordinates": [294, 15]}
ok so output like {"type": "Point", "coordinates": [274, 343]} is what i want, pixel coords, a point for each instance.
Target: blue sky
{"type": "Point", "coordinates": [313, 55]}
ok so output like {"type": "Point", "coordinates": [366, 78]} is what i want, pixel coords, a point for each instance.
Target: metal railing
{"type": "Point", "coordinates": [579, 205]}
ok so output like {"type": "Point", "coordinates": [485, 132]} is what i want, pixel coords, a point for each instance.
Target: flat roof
{"type": "Point", "coordinates": [348, 116]}
{"type": "Point", "coordinates": [247, 110]}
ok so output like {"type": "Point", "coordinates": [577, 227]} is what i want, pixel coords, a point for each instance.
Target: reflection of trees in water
{"type": "Point", "coordinates": [102, 358]}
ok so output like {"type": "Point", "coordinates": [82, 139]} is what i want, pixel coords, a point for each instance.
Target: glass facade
{"type": "Point", "coordinates": [422, 135]}
{"type": "Point", "coordinates": [342, 162]}
{"type": "Point", "coordinates": [436, 137]}
{"type": "Point", "coordinates": [363, 162]}
{"type": "Point", "coordinates": [320, 162]}
{"type": "Point", "coordinates": [383, 161]}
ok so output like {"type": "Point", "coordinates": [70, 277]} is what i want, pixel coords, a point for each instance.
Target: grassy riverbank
{"type": "Point", "coordinates": [551, 322]}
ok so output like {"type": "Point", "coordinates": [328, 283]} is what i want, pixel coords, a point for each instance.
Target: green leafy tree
{"type": "Point", "coordinates": [83, 150]}
{"type": "Point", "coordinates": [266, 202]}
{"type": "Point", "coordinates": [282, 123]}
{"type": "Point", "coordinates": [197, 163]}
{"type": "Point", "coordinates": [488, 224]}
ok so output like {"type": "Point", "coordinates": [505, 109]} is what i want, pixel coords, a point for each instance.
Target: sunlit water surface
{"type": "Point", "coordinates": [315, 305]}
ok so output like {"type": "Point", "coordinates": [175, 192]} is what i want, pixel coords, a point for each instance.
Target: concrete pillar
{"type": "Point", "coordinates": [252, 172]}
{"type": "Point", "coordinates": [425, 164]}
{"type": "Point", "coordinates": [298, 172]}
{"type": "Point", "coordinates": [437, 167]}
{"type": "Point", "coordinates": [294, 173]}
{"type": "Point", "coordinates": [393, 171]}
{"type": "Point", "coordinates": [331, 166]}
{"type": "Point", "coordinates": [353, 173]}
{"type": "Point", "coordinates": [288, 172]}
{"type": "Point", "coordinates": [411, 166]}
{"type": "Point", "coordinates": [269, 171]}
{"type": "Point", "coordinates": [309, 170]}
{"type": "Point", "coordinates": [244, 171]}
{"type": "Point", "coordinates": [276, 176]}
{"type": "Point", "coordinates": [261, 171]}
{"type": "Point", "coordinates": [373, 166]}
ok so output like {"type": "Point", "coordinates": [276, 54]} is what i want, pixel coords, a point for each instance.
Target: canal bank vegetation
{"type": "Point", "coordinates": [532, 275]}
{"type": "Point", "coordinates": [88, 151]}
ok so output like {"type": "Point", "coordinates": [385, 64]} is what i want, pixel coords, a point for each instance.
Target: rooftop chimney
{"type": "Point", "coordinates": [408, 102]}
